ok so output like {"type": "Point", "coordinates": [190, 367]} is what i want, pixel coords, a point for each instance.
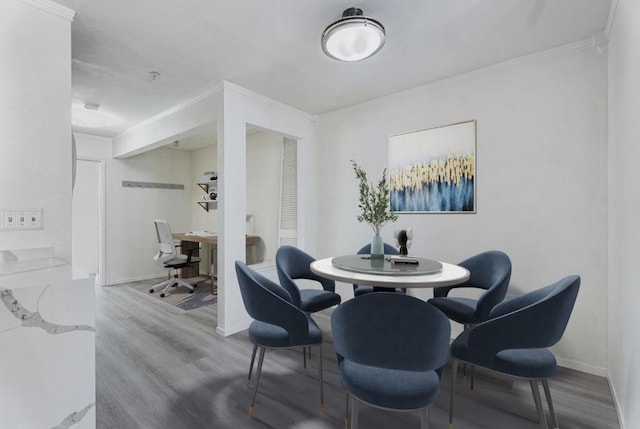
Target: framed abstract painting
{"type": "Point", "coordinates": [434, 170]}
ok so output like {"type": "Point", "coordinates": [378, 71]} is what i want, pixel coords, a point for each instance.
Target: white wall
{"type": "Point", "coordinates": [231, 108]}
{"type": "Point", "coordinates": [541, 179]}
{"type": "Point", "coordinates": [264, 153]}
{"type": "Point", "coordinates": [131, 240]}
{"type": "Point", "coordinates": [94, 147]}
{"type": "Point", "coordinates": [35, 121]}
{"type": "Point", "coordinates": [243, 107]}
{"type": "Point", "coordinates": [204, 159]}
{"type": "Point", "coordinates": [264, 170]}
{"type": "Point", "coordinates": [131, 237]}
{"type": "Point", "coordinates": [171, 124]}
{"type": "Point", "coordinates": [624, 205]}
{"type": "Point", "coordinates": [56, 373]}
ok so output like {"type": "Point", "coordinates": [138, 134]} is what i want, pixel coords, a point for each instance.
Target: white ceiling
{"type": "Point", "coordinates": [273, 48]}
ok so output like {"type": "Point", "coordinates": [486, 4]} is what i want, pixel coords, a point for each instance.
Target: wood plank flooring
{"type": "Point", "coordinates": [161, 367]}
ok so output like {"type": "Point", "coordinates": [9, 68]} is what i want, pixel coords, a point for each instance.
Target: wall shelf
{"type": "Point", "coordinates": [207, 204]}
{"type": "Point", "coordinates": [206, 186]}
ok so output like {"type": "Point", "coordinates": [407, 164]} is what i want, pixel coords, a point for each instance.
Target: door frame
{"type": "Point", "coordinates": [101, 277]}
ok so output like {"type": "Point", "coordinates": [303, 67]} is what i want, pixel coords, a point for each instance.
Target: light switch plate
{"type": "Point", "coordinates": [21, 219]}
{"type": "Point", "coordinates": [9, 219]}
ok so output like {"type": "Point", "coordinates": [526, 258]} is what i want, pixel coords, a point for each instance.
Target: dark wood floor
{"type": "Point", "coordinates": [162, 367]}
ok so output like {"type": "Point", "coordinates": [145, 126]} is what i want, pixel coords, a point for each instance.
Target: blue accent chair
{"type": "Point", "coordinates": [362, 289]}
{"type": "Point", "coordinates": [278, 324]}
{"type": "Point", "coordinates": [489, 270]}
{"type": "Point", "coordinates": [389, 346]}
{"type": "Point", "coordinates": [514, 340]}
{"type": "Point", "coordinates": [292, 264]}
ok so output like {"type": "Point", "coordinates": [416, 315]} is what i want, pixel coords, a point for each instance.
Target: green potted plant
{"type": "Point", "coordinates": [374, 206]}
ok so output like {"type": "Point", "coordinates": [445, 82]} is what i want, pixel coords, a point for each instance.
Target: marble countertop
{"type": "Point", "coordinates": [47, 338]}
{"type": "Point", "coordinates": [33, 272]}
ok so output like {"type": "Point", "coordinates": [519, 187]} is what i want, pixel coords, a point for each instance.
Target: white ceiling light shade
{"type": "Point", "coordinates": [354, 37]}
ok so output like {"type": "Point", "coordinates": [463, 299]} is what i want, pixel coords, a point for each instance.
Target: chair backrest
{"type": "Point", "coordinates": [391, 330]}
{"type": "Point", "coordinates": [490, 270]}
{"type": "Point", "coordinates": [388, 250]}
{"type": "Point", "coordinates": [536, 319]}
{"type": "Point", "coordinates": [268, 302]}
{"type": "Point", "coordinates": [366, 250]}
{"type": "Point", "coordinates": [291, 264]}
{"type": "Point", "coordinates": [166, 246]}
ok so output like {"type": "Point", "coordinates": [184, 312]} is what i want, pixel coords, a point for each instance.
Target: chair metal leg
{"type": "Point", "coordinates": [471, 393]}
{"type": "Point", "coordinates": [536, 399]}
{"type": "Point", "coordinates": [253, 358]}
{"type": "Point", "coordinates": [304, 360]}
{"type": "Point", "coordinates": [346, 413]}
{"type": "Point", "coordinates": [321, 382]}
{"type": "Point", "coordinates": [464, 365]}
{"type": "Point", "coordinates": [354, 413]}
{"type": "Point", "coordinates": [424, 418]}
{"type": "Point", "coordinates": [465, 326]}
{"type": "Point", "coordinates": [255, 392]}
{"type": "Point", "coordinates": [454, 370]}
{"type": "Point", "coordinates": [547, 393]}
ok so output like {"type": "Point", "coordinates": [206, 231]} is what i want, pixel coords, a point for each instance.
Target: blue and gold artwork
{"type": "Point", "coordinates": [434, 170]}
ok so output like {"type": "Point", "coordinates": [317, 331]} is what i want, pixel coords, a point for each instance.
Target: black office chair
{"type": "Point", "coordinates": [168, 257]}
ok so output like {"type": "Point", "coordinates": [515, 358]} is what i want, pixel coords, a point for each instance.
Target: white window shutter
{"type": "Point", "coordinates": [288, 234]}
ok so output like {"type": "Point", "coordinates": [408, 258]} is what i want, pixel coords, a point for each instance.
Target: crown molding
{"type": "Point", "coordinates": [223, 86]}
{"type": "Point", "coordinates": [170, 111]}
{"type": "Point", "coordinates": [52, 7]}
{"type": "Point", "coordinates": [264, 99]}
{"type": "Point", "coordinates": [613, 9]}
{"type": "Point", "coordinates": [601, 42]}
{"type": "Point", "coordinates": [589, 43]}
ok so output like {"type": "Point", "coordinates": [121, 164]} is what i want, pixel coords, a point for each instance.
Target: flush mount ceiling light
{"type": "Point", "coordinates": [354, 37]}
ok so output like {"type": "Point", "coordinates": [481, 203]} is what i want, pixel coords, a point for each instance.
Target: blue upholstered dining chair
{"type": "Point", "coordinates": [278, 323]}
{"type": "Point", "coordinates": [491, 271]}
{"type": "Point", "coordinates": [362, 289]}
{"type": "Point", "coordinates": [389, 346]}
{"type": "Point", "coordinates": [514, 340]}
{"type": "Point", "coordinates": [294, 264]}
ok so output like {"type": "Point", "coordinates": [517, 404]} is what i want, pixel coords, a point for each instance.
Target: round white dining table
{"type": "Point", "coordinates": [449, 275]}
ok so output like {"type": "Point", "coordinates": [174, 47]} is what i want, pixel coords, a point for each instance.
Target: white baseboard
{"type": "Point", "coordinates": [228, 332]}
{"type": "Point", "coordinates": [134, 279]}
{"type": "Point", "coordinates": [565, 363]}
{"type": "Point", "coordinates": [616, 403]}
{"type": "Point", "coordinates": [583, 367]}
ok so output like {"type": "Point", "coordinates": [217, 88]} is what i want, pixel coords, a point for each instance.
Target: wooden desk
{"type": "Point", "coordinates": [189, 242]}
